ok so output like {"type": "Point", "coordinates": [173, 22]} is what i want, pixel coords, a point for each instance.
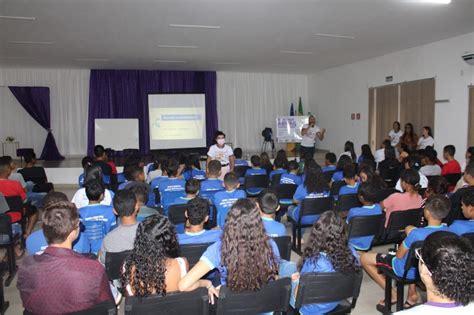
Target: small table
{"type": "Point", "coordinates": [9, 148]}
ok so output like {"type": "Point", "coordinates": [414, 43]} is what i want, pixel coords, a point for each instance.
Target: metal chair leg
{"type": "Point", "coordinates": [388, 295]}
{"type": "Point", "coordinates": [400, 296]}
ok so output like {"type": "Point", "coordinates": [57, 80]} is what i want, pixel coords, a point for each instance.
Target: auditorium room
{"type": "Point", "coordinates": [245, 157]}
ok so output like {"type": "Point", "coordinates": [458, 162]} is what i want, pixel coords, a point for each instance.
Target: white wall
{"type": "Point", "coordinates": [336, 93]}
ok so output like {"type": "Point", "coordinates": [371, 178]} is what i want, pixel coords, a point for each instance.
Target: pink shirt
{"type": "Point", "coordinates": [400, 202]}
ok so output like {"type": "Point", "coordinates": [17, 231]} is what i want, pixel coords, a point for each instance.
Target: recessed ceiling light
{"type": "Point", "coordinates": [178, 46]}
{"type": "Point", "coordinates": [334, 36]}
{"type": "Point", "coordinates": [226, 63]}
{"type": "Point", "coordinates": [28, 42]}
{"type": "Point", "coordinates": [8, 17]}
{"type": "Point", "coordinates": [296, 52]}
{"type": "Point", "coordinates": [91, 59]}
{"type": "Point", "coordinates": [212, 27]}
{"type": "Point", "coordinates": [284, 65]}
{"type": "Point", "coordinates": [169, 61]}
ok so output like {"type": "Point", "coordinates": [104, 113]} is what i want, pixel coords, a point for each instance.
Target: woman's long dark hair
{"type": "Point", "coordinates": [282, 156]}
{"type": "Point", "coordinates": [145, 268]}
{"type": "Point", "coordinates": [329, 235]}
{"type": "Point", "coordinates": [246, 251]}
{"type": "Point", "coordinates": [367, 152]}
{"type": "Point", "coordinates": [349, 147]}
{"type": "Point", "coordinates": [314, 181]}
{"type": "Point", "coordinates": [93, 172]}
{"type": "Point", "coordinates": [265, 162]}
{"type": "Point", "coordinates": [343, 161]}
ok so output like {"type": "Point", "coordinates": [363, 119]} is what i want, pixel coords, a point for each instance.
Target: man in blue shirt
{"type": "Point", "coordinates": [330, 162]}
{"type": "Point", "coordinates": [98, 219]}
{"type": "Point", "coordinates": [223, 200]}
{"type": "Point", "coordinates": [173, 187]}
{"type": "Point", "coordinates": [268, 204]}
{"type": "Point", "coordinates": [350, 177]}
{"type": "Point", "coordinates": [212, 184]}
{"type": "Point", "coordinates": [461, 227]}
{"type": "Point", "coordinates": [367, 196]}
{"type": "Point", "coordinates": [292, 176]}
{"type": "Point", "coordinates": [197, 214]}
{"type": "Point", "coordinates": [255, 169]}
{"type": "Point", "coordinates": [436, 209]}
{"type": "Point", "coordinates": [278, 165]}
{"type": "Point", "coordinates": [238, 158]}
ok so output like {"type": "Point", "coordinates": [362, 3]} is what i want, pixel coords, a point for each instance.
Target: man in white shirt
{"type": "Point", "coordinates": [222, 153]}
{"type": "Point", "coordinates": [395, 134]}
{"type": "Point", "coordinates": [309, 132]}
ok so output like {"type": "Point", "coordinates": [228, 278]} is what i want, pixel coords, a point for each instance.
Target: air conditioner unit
{"type": "Point", "coordinates": [469, 58]}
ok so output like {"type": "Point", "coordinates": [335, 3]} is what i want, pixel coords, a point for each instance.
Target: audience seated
{"type": "Point", "coordinates": [193, 169]}
{"type": "Point", "coordinates": [269, 205]}
{"type": "Point", "coordinates": [80, 197]}
{"type": "Point", "coordinates": [60, 281]}
{"type": "Point", "coordinates": [153, 267]}
{"type": "Point", "coordinates": [339, 174]}
{"type": "Point", "coordinates": [265, 162]}
{"type": "Point", "coordinates": [426, 139]}
{"type": "Point", "coordinates": [141, 195]}
{"type": "Point", "coordinates": [428, 160]}
{"type": "Point", "coordinates": [436, 209]}
{"type": "Point", "coordinates": [413, 162]}
{"type": "Point", "coordinates": [238, 158]}
{"type": "Point", "coordinates": [367, 195]}
{"type": "Point", "coordinates": [395, 134]}
{"type": "Point", "coordinates": [278, 168]}
{"type": "Point", "coordinates": [172, 187]}
{"type": "Point", "coordinates": [97, 218]}
{"type": "Point", "coordinates": [389, 162]}
{"type": "Point", "coordinates": [456, 213]}
{"type": "Point", "coordinates": [212, 184]}
{"type": "Point", "coordinates": [349, 151]}
{"type": "Point", "coordinates": [366, 155]}
{"type": "Point", "coordinates": [86, 164]}
{"type": "Point", "coordinates": [451, 166]}
{"type": "Point", "coordinates": [223, 200]}
{"type": "Point", "coordinates": [350, 177]}
{"type": "Point", "coordinates": [329, 162]}
{"type": "Point", "coordinates": [31, 172]}
{"type": "Point", "coordinates": [255, 169]}
{"type": "Point", "coordinates": [292, 176]}
{"type": "Point", "coordinates": [156, 168]}
{"type": "Point", "coordinates": [109, 160]}
{"type": "Point", "coordinates": [409, 138]}
{"type": "Point", "coordinates": [191, 188]}
{"type": "Point", "coordinates": [197, 214]}
{"type": "Point", "coordinates": [123, 236]}
{"type": "Point", "coordinates": [155, 183]}
{"type": "Point", "coordinates": [379, 155]}
{"type": "Point", "coordinates": [282, 156]}
{"type": "Point", "coordinates": [437, 185]}
{"type": "Point", "coordinates": [445, 267]}
{"type": "Point", "coordinates": [461, 227]}
{"type": "Point", "coordinates": [245, 257]}
{"type": "Point", "coordinates": [101, 160]}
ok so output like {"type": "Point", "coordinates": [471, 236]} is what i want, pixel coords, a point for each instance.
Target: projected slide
{"type": "Point", "coordinates": [177, 121]}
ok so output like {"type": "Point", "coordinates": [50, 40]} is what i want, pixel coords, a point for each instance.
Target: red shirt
{"type": "Point", "coordinates": [10, 188]}
{"type": "Point", "coordinates": [113, 166]}
{"type": "Point", "coordinates": [61, 281]}
{"type": "Point", "coordinates": [452, 167]}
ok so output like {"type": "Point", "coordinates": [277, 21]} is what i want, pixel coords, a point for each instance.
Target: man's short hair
{"type": "Point", "coordinates": [349, 171]}
{"type": "Point", "coordinates": [468, 199]}
{"type": "Point", "coordinates": [231, 180]}
{"type": "Point", "coordinates": [192, 186]}
{"type": "Point", "coordinates": [8, 159]}
{"type": "Point", "coordinates": [30, 157]}
{"type": "Point", "coordinates": [431, 154]}
{"type": "Point", "coordinates": [439, 206]}
{"type": "Point", "coordinates": [450, 149]}
{"type": "Point", "coordinates": [172, 167]}
{"type": "Point", "coordinates": [132, 172]}
{"type": "Point", "coordinates": [331, 157]}
{"type": "Point", "coordinates": [124, 202]}
{"type": "Point", "coordinates": [140, 192]}
{"type": "Point", "coordinates": [59, 220]}
{"type": "Point", "coordinates": [214, 167]}
{"type": "Point", "coordinates": [238, 153]}
{"type": "Point", "coordinates": [53, 197]}
{"type": "Point", "coordinates": [255, 160]}
{"type": "Point", "coordinates": [99, 150]}
{"type": "Point", "coordinates": [87, 162]}
{"type": "Point", "coordinates": [198, 209]}
{"type": "Point", "coordinates": [268, 201]}
{"type": "Point", "coordinates": [368, 192]}
{"type": "Point", "coordinates": [293, 166]}
{"type": "Point", "coordinates": [279, 162]}
{"type": "Point", "coordinates": [4, 165]}
{"type": "Point", "coordinates": [94, 189]}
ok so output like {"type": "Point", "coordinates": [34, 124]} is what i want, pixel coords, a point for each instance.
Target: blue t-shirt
{"type": "Point", "coordinates": [121, 178]}
{"type": "Point", "coordinates": [223, 200]}
{"type": "Point", "coordinates": [205, 236]}
{"type": "Point", "coordinates": [155, 183]}
{"type": "Point", "coordinates": [349, 190]}
{"type": "Point", "coordinates": [290, 178]}
{"type": "Point", "coordinates": [415, 235]}
{"type": "Point", "coordinates": [461, 227]}
{"type": "Point", "coordinates": [337, 176]}
{"type": "Point", "coordinates": [212, 184]}
{"type": "Point", "coordinates": [194, 174]}
{"type": "Point", "coordinates": [240, 162]}
{"type": "Point", "coordinates": [329, 168]}
{"type": "Point", "coordinates": [255, 171]}
{"type": "Point", "coordinates": [300, 194]}
{"type": "Point", "coordinates": [36, 243]}
{"type": "Point", "coordinates": [98, 221]}
{"type": "Point", "coordinates": [277, 171]}
{"type": "Point", "coordinates": [273, 227]}
{"type": "Point", "coordinates": [212, 258]}
{"type": "Point", "coordinates": [363, 242]}
{"type": "Point", "coordinates": [81, 180]}
{"type": "Point", "coordinates": [170, 190]}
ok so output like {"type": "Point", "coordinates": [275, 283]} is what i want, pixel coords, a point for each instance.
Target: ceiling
{"type": "Point", "coordinates": [126, 34]}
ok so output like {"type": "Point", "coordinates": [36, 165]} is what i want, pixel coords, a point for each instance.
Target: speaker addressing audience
{"type": "Point", "coordinates": [309, 132]}
{"type": "Point", "coordinates": [223, 153]}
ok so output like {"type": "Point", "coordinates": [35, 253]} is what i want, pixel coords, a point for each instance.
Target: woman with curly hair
{"type": "Point", "coordinates": [409, 137]}
{"type": "Point", "coordinates": [153, 267]}
{"type": "Point", "coordinates": [245, 257]}
{"type": "Point", "coordinates": [445, 263]}
{"type": "Point", "coordinates": [327, 251]}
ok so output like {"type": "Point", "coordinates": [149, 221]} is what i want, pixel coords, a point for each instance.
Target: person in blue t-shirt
{"type": "Point", "coordinates": [269, 205]}
{"type": "Point", "coordinates": [197, 214]}
{"type": "Point", "coordinates": [192, 190]}
{"type": "Point", "coordinates": [155, 183]}
{"type": "Point", "coordinates": [86, 163]}
{"type": "Point", "coordinates": [232, 258]}
{"type": "Point", "coordinates": [292, 176]}
{"type": "Point", "coordinates": [314, 186]}
{"type": "Point", "coordinates": [193, 169]}
{"type": "Point", "coordinates": [238, 158]}
{"type": "Point", "coordinates": [436, 209]}
{"type": "Point", "coordinates": [350, 177]}
{"type": "Point", "coordinates": [330, 162]}
{"type": "Point", "coordinates": [255, 169]}
{"type": "Point", "coordinates": [461, 227]}
{"type": "Point", "coordinates": [367, 196]}
{"type": "Point", "coordinates": [327, 251]}
{"type": "Point", "coordinates": [339, 174]}
{"type": "Point", "coordinates": [223, 200]}
{"type": "Point", "coordinates": [172, 187]}
{"type": "Point", "coordinates": [97, 219]}
{"type": "Point", "coordinates": [278, 166]}
{"type": "Point", "coordinates": [212, 184]}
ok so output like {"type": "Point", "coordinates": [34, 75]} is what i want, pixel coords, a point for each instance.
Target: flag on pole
{"type": "Point", "coordinates": [292, 110]}
{"type": "Point", "coordinates": [300, 107]}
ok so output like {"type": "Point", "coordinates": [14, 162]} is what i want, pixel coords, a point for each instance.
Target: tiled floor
{"type": "Point", "coordinates": [369, 296]}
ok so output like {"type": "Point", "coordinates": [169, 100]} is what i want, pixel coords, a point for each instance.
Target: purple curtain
{"type": "Point", "coordinates": [124, 94]}
{"type": "Point", "coordinates": [35, 100]}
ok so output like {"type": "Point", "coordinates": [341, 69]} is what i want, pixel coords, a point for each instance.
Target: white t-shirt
{"type": "Point", "coordinates": [308, 138]}
{"type": "Point", "coordinates": [431, 170]}
{"type": "Point", "coordinates": [220, 154]}
{"type": "Point", "coordinates": [423, 182]}
{"type": "Point", "coordinates": [425, 142]}
{"type": "Point", "coordinates": [439, 310]}
{"type": "Point", "coordinates": [395, 137]}
{"type": "Point", "coordinates": [80, 198]}
{"type": "Point", "coordinates": [379, 155]}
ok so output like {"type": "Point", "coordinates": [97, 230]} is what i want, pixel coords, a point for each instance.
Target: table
{"type": "Point", "coordinates": [9, 148]}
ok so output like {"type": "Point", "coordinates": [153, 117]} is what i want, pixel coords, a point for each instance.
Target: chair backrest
{"type": "Point", "coordinates": [176, 213]}
{"type": "Point", "coordinates": [286, 191]}
{"type": "Point", "coordinates": [412, 261]}
{"type": "Point", "coordinates": [114, 263]}
{"type": "Point", "coordinates": [384, 193]}
{"type": "Point", "coordinates": [328, 175]}
{"type": "Point", "coordinates": [327, 287]}
{"type": "Point", "coordinates": [104, 308]}
{"type": "Point", "coordinates": [194, 302]}
{"type": "Point", "coordinates": [256, 181]}
{"type": "Point", "coordinates": [470, 237]}
{"type": "Point", "coordinates": [6, 226]}
{"type": "Point", "coordinates": [398, 220]}
{"type": "Point", "coordinates": [390, 175]}
{"type": "Point", "coordinates": [312, 206]}
{"type": "Point", "coordinates": [193, 252]}
{"type": "Point", "coordinates": [366, 225]}
{"type": "Point", "coordinates": [452, 178]}
{"type": "Point", "coordinates": [240, 170]}
{"type": "Point", "coordinates": [336, 186]}
{"type": "Point", "coordinates": [273, 297]}
{"type": "Point", "coordinates": [346, 202]}
{"type": "Point", "coordinates": [284, 246]}
{"type": "Point", "coordinates": [276, 180]}
{"type": "Point", "coordinates": [15, 203]}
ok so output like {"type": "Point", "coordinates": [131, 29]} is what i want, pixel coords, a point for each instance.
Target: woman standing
{"type": "Point", "coordinates": [309, 133]}
{"type": "Point", "coordinates": [426, 139]}
{"type": "Point", "coordinates": [222, 153]}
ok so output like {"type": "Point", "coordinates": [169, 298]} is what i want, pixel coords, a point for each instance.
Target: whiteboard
{"type": "Point", "coordinates": [117, 134]}
{"type": "Point", "coordinates": [289, 128]}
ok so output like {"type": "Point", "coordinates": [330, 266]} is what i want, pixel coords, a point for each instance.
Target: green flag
{"type": "Point", "coordinates": [300, 107]}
